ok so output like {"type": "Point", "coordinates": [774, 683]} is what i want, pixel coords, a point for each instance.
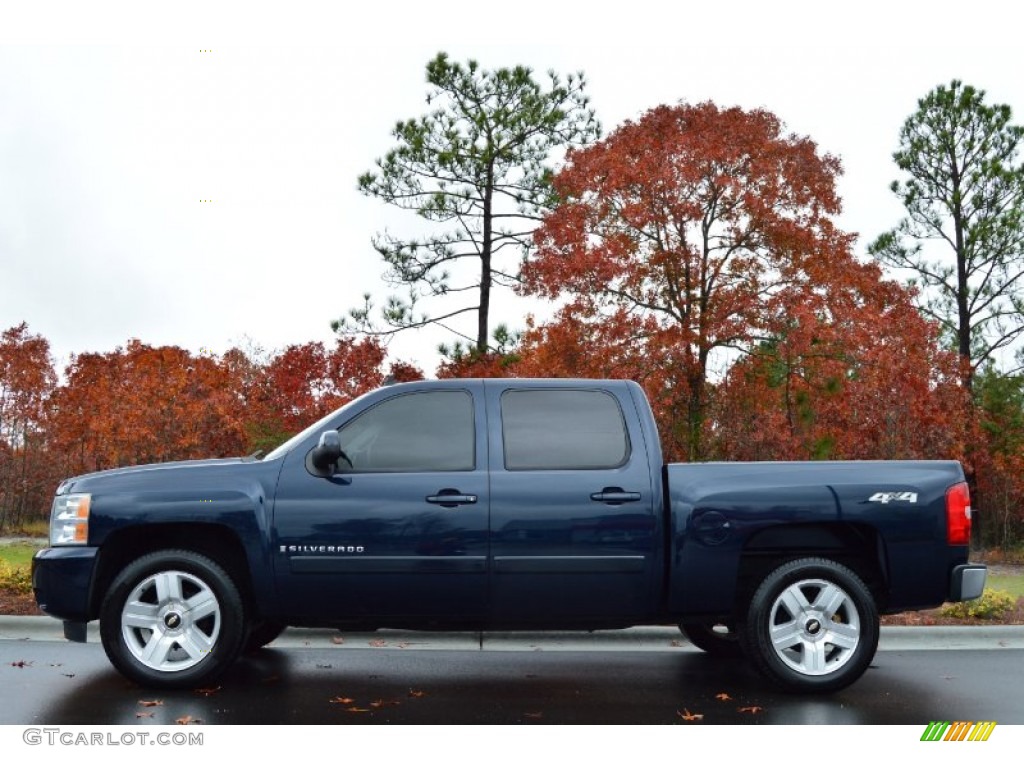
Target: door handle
{"type": "Point", "coordinates": [451, 497]}
{"type": "Point", "coordinates": [614, 496]}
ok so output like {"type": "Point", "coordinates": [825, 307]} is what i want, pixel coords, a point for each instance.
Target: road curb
{"type": "Point", "coordinates": [1002, 637]}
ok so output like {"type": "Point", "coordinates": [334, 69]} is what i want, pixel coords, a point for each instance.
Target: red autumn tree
{"type": "Point", "coordinates": [305, 382]}
{"type": "Point", "coordinates": [26, 380]}
{"type": "Point", "coordinates": [854, 373]}
{"type": "Point", "coordinates": [147, 404]}
{"type": "Point", "coordinates": [144, 404]}
{"type": "Point", "coordinates": [685, 235]}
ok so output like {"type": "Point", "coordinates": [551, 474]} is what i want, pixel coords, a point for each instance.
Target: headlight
{"type": "Point", "coordinates": [69, 520]}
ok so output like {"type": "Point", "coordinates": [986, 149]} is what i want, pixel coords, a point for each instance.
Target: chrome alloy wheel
{"type": "Point", "coordinates": [171, 621]}
{"type": "Point", "coordinates": [814, 627]}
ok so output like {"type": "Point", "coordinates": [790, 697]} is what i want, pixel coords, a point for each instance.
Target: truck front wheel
{"type": "Point", "coordinates": [812, 626]}
{"type": "Point", "coordinates": [262, 633]}
{"type": "Point", "coordinates": [172, 619]}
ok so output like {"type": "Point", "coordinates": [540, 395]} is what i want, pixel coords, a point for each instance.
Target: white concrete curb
{"type": "Point", "coordinates": [45, 629]}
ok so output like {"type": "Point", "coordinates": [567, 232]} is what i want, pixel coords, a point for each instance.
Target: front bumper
{"type": "Point", "coordinates": [967, 582]}
{"type": "Point", "coordinates": [62, 579]}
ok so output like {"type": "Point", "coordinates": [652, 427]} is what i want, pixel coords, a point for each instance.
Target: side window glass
{"type": "Point", "coordinates": [418, 432]}
{"type": "Point", "coordinates": [562, 429]}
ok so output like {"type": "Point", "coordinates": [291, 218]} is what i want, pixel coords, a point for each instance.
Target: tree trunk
{"type": "Point", "coordinates": [482, 330]}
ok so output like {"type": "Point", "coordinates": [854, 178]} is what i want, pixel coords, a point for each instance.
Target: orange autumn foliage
{"type": "Point", "coordinates": [143, 404]}
{"type": "Point", "coordinates": [26, 380]}
{"type": "Point", "coordinates": [695, 253]}
{"type": "Point", "coordinates": [688, 232]}
{"type": "Point", "coordinates": [855, 373]}
{"type": "Point", "coordinates": [305, 382]}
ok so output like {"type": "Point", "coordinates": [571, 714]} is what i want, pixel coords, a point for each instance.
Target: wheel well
{"type": "Point", "coordinates": [858, 547]}
{"type": "Point", "coordinates": [216, 542]}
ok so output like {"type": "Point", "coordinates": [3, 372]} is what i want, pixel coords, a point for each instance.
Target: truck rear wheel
{"type": "Point", "coordinates": [172, 619]}
{"type": "Point", "coordinates": [812, 626]}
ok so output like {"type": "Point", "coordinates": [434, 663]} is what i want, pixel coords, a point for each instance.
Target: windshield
{"type": "Point", "coordinates": [327, 422]}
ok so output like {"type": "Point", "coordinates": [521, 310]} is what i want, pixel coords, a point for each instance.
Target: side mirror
{"type": "Point", "coordinates": [327, 452]}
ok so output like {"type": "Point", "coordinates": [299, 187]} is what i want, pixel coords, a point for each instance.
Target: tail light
{"type": "Point", "coordinates": [958, 515]}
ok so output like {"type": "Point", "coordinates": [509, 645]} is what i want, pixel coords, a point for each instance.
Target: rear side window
{"type": "Point", "coordinates": [562, 429]}
{"type": "Point", "coordinates": [418, 432]}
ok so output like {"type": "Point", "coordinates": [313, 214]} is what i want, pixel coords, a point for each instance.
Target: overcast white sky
{"type": "Point", "coordinates": [118, 121]}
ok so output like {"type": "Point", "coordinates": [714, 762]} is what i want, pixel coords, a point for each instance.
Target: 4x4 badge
{"type": "Point", "coordinates": [884, 497]}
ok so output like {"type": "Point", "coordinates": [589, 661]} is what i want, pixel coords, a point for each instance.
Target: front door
{"type": "Point", "coordinates": [400, 535]}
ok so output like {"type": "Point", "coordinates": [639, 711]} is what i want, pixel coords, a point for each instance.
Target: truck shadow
{"type": "Point", "coordinates": [389, 686]}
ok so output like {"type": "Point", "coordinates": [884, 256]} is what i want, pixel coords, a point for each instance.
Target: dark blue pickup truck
{"type": "Point", "coordinates": [502, 504]}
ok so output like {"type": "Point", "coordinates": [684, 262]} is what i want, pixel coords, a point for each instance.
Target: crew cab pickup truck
{"type": "Point", "coordinates": [502, 504]}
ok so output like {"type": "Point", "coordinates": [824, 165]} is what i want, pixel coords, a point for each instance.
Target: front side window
{"type": "Point", "coordinates": [562, 429]}
{"type": "Point", "coordinates": [418, 432]}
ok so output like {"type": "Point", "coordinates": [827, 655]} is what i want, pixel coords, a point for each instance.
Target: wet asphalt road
{"type": "Point", "coordinates": [313, 679]}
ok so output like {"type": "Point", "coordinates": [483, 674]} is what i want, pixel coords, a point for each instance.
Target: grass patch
{"type": "Point", "coordinates": [17, 555]}
{"type": "Point", "coordinates": [1006, 582]}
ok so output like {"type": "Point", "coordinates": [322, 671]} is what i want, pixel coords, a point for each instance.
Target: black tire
{"type": "Point", "coordinates": [262, 633]}
{"type": "Point", "coordinates": [172, 619]}
{"type": "Point", "coordinates": [716, 639]}
{"type": "Point", "coordinates": [812, 626]}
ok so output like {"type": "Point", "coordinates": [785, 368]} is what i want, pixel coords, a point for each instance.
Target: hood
{"type": "Point", "coordinates": [83, 483]}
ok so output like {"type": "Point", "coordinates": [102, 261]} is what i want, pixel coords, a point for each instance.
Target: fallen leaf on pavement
{"type": "Point", "coordinates": [342, 700]}
{"type": "Point", "coordinates": [689, 716]}
{"type": "Point", "coordinates": [751, 710]}
{"type": "Point", "coordinates": [153, 703]}
{"type": "Point", "coordinates": [188, 720]}
{"type": "Point", "coordinates": [723, 697]}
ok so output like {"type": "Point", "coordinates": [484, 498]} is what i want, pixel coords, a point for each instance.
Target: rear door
{"type": "Point", "coordinates": [572, 507]}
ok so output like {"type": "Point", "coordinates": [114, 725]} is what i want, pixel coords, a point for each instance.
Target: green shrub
{"type": "Point", "coordinates": [994, 604]}
{"type": "Point", "coordinates": [17, 579]}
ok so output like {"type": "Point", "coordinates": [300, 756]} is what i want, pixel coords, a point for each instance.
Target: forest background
{"type": "Point", "coordinates": [694, 249]}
